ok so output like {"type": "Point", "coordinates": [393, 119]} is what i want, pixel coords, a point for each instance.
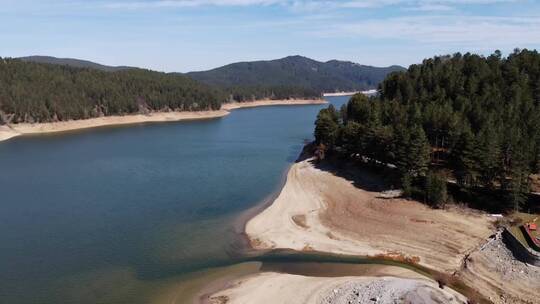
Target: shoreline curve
{"type": "Point", "coordinates": [14, 130]}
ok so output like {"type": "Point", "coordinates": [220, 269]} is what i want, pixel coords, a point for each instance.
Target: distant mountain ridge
{"type": "Point", "coordinates": [285, 78]}
{"type": "Point", "coordinates": [298, 71]}
{"type": "Point", "coordinates": [76, 63]}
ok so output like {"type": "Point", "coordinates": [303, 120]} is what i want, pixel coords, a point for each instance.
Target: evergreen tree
{"type": "Point", "coordinates": [477, 118]}
{"type": "Point", "coordinates": [465, 156]}
{"type": "Point", "coordinates": [350, 138]}
{"type": "Point", "coordinates": [489, 156]}
{"type": "Point", "coordinates": [406, 185]}
{"type": "Point", "coordinates": [435, 189]}
{"type": "Point", "coordinates": [418, 152]}
{"type": "Point", "coordinates": [326, 127]}
{"type": "Point", "coordinates": [519, 176]}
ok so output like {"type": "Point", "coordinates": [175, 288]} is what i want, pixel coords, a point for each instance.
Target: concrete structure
{"type": "Point", "coordinates": [520, 252]}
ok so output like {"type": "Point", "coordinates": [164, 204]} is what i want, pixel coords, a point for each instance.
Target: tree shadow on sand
{"type": "Point", "coordinates": [361, 175]}
{"type": "Point", "coordinates": [375, 178]}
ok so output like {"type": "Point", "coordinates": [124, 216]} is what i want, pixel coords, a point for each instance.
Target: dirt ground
{"type": "Point", "coordinates": [385, 285]}
{"type": "Point", "coordinates": [319, 210]}
{"type": "Point", "coordinates": [437, 238]}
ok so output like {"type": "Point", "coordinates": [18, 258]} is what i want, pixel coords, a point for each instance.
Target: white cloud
{"type": "Point", "coordinates": [302, 4]}
{"type": "Point", "coordinates": [189, 3]}
{"type": "Point", "coordinates": [431, 8]}
{"type": "Point", "coordinates": [468, 31]}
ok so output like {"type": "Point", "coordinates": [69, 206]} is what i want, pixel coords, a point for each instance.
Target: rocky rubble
{"type": "Point", "coordinates": [389, 291]}
{"type": "Point", "coordinates": [503, 262]}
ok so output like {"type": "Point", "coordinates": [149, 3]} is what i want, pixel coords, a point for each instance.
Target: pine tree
{"type": "Point", "coordinates": [359, 109]}
{"type": "Point", "coordinates": [464, 157]}
{"type": "Point", "coordinates": [519, 175]}
{"type": "Point", "coordinates": [489, 156]}
{"type": "Point", "coordinates": [350, 138]}
{"type": "Point", "coordinates": [326, 127]}
{"type": "Point", "coordinates": [435, 189]}
{"type": "Point", "coordinates": [419, 152]}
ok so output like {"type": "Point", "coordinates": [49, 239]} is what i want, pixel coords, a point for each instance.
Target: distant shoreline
{"type": "Point", "coordinates": [14, 130]}
{"type": "Point", "coordinates": [338, 94]}
{"type": "Point", "coordinates": [269, 102]}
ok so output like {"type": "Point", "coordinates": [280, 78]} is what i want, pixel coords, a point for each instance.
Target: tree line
{"type": "Point", "coordinates": [36, 89]}
{"type": "Point", "coordinates": [468, 119]}
{"type": "Point", "coordinates": [251, 93]}
{"type": "Point", "coordinates": [37, 92]}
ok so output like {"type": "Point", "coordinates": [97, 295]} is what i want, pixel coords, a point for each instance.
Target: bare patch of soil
{"type": "Point", "coordinates": [300, 221]}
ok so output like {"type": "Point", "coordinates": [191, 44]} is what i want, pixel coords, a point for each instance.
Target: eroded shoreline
{"type": "Point", "coordinates": [14, 130]}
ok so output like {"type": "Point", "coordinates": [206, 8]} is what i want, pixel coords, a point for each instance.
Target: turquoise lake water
{"type": "Point", "coordinates": [87, 216]}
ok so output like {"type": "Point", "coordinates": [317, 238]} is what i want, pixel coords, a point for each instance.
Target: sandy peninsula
{"type": "Point", "coordinates": [318, 209]}
{"type": "Point", "coordinates": [13, 130]}
{"type": "Point", "coordinates": [269, 102]}
{"type": "Point", "coordinates": [383, 287]}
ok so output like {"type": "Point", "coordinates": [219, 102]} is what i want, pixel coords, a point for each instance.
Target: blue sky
{"type": "Point", "coordinates": [186, 35]}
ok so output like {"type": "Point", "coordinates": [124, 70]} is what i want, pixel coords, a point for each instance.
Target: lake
{"type": "Point", "coordinates": [107, 215]}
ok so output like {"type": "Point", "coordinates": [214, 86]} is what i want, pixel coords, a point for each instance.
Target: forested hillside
{"type": "Point", "coordinates": [36, 92]}
{"type": "Point", "coordinates": [292, 77]}
{"type": "Point", "coordinates": [43, 88]}
{"type": "Point", "coordinates": [468, 118]}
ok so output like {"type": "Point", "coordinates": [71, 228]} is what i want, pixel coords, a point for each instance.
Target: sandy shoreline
{"type": "Point", "coordinates": [294, 221]}
{"type": "Point", "coordinates": [317, 283]}
{"type": "Point", "coordinates": [387, 284]}
{"type": "Point", "coordinates": [268, 102]}
{"type": "Point", "coordinates": [7, 132]}
{"type": "Point", "coordinates": [318, 209]}
{"type": "Point", "coordinates": [339, 94]}
{"type": "Point", "coordinates": [70, 125]}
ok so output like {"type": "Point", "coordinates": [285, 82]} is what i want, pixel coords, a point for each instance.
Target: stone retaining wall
{"type": "Point", "coordinates": [522, 253]}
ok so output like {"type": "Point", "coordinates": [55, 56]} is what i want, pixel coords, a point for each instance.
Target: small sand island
{"type": "Point", "coordinates": [13, 130]}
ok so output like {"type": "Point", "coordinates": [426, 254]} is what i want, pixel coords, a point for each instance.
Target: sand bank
{"type": "Point", "coordinates": [62, 126]}
{"type": "Point", "coordinates": [7, 132]}
{"type": "Point", "coordinates": [268, 102]}
{"type": "Point", "coordinates": [279, 288]}
{"type": "Point", "coordinates": [338, 94]}
{"type": "Point", "coordinates": [318, 210]}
